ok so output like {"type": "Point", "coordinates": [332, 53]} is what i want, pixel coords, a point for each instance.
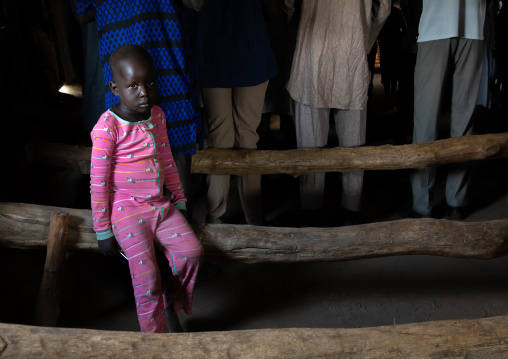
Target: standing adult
{"type": "Point", "coordinates": [330, 74]}
{"type": "Point", "coordinates": [234, 63]}
{"type": "Point", "coordinates": [450, 41]}
{"type": "Point", "coordinates": [501, 53]}
{"type": "Point", "coordinates": [411, 11]}
{"type": "Point", "coordinates": [155, 25]}
{"type": "Point", "coordinates": [487, 84]}
{"type": "Point", "coordinates": [390, 42]}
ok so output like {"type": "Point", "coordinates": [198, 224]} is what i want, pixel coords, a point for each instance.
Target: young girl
{"type": "Point", "coordinates": [132, 170]}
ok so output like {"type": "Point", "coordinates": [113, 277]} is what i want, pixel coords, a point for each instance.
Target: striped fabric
{"type": "Point", "coordinates": [130, 161]}
{"type": "Point", "coordinates": [132, 168]}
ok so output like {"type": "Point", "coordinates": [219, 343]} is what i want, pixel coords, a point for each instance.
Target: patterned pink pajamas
{"type": "Point", "coordinates": [131, 166]}
{"type": "Point", "coordinates": [140, 227]}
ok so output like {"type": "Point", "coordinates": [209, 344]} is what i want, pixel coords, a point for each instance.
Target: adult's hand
{"type": "Point", "coordinates": [196, 5]}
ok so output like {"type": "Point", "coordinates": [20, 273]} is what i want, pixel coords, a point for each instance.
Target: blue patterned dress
{"type": "Point", "coordinates": [156, 25]}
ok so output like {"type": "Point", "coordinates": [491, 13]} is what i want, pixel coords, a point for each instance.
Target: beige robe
{"type": "Point", "coordinates": [330, 68]}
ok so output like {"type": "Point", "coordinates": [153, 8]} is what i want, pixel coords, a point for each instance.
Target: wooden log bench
{"type": "Point", "coordinates": [485, 338]}
{"type": "Point", "coordinates": [297, 162]}
{"type": "Point", "coordinates": [27, 226]}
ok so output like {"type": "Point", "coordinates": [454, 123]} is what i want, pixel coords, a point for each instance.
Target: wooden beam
{"type": "Point", "coordinates": [386, 157]}
{"type": "Point", "coordinates": [59, 155]}
{"type": "Point", "coordinates": [48, 302]}
{"type": "Point", "coordinates": [297, 162]}
{"type": "Point", "coordinates": [442, 339]}
{"type": "Point", "coordinates": [26, 226]}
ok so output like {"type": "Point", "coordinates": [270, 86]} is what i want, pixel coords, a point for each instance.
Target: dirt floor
{"type": "Point", "coordinates": [233, 296]}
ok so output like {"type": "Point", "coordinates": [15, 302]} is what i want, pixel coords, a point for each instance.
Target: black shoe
{"type": "Point", "coordinates": [455, 213]}
{"type": "Point", "coordinates": [409, 213]}
{"type": "Point", "coordinates": [213, 220]}
{"type": "Point", "coordinates": [353, 218]}
{"type": "Point", "coordinates": [310, 218]}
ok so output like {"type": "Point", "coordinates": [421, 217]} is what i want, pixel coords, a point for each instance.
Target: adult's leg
{"type": "Point", "coordinates": [247, 110]}
{"type": "Point", "coordinates": [221, 134]}
{"type": "Point", "coordinates": [430, 73]}
{"type": "Point", "coordinates": [312, 126]}
{"type": "Point", "coordinates": [405, 98]}
{"type": "Point", "coordinates": [468, 55]}
{"type": "Point", "coordinates": [351, 127]}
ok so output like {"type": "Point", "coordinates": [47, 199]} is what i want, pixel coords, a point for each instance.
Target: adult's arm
{"type": "Point", "coordinates": [100, 171]}
{"type": "Point", "coordinates": [172, 186]}
{"type": "Point", "coordinates": [411, 10]}
{"type": "Point", "coordinates": [380, 11]}
{"type": "Point", "coordinates": [289, 9]}
{"type": "Point", "coordinates": [83, 10]}
{"type": "Point", "coordinates": [196, 5]}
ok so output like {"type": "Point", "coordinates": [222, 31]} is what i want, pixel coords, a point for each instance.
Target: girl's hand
{"type": "Point", "coordinates": [109, 247]}
{"type": "Point", "coordinates": [184, 213]}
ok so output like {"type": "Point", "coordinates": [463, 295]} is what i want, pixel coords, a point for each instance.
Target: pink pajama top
{"type": "Point", "coordinates": [131, 161]}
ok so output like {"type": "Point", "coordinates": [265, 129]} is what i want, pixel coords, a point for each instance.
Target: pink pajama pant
{"type": "Point", "coordinates": [137, 228]}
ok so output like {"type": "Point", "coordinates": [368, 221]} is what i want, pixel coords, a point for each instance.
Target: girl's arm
{"type": "Point", "coordinates": [172, 182]}
{"type": "Point", "coordinates": [100, 173]}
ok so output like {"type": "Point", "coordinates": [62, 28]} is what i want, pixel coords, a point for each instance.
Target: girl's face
{"type": "Point", "coordinates": [135, 84]}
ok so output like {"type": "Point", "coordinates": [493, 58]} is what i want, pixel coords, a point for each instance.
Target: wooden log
{"type": "Point", "coordinates": [48, 302]}
{"type": "Point", "coordinates": [59, 155]}
{"type": "Point", "coordinates": [25, 226]}
{"type": "Point", "coordinates": [386, 157]}
{"type": "Point", "coordinates": [442, 339]}
{"type": "Point", "coordinates": [297, 162]}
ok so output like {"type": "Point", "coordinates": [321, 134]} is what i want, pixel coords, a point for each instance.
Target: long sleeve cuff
{"type": "Point", "coordinates": [181, 205]}
{"type": "Point", "coordinates": [104, 234]}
